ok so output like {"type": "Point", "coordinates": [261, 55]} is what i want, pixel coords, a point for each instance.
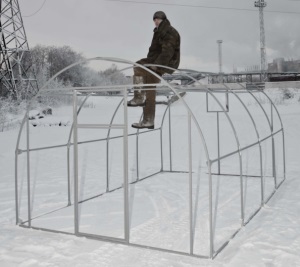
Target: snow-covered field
{"type": "Point", "coordinates": [272, 238]}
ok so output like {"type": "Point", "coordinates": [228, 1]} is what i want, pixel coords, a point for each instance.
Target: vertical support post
{"type": "Point", "coordinates": [242, 191]}
{"type": "Point", "coordinates": [16, 188]}
{"type": "Point", "coordinates": [274, 161]}
{"type": "Point", "coordinates": [137, 156]}
{"type": "Point", "coordinates": [273, 149]}
{"type": "Point", "coordinates": [170, 138]}
{"type": "Point", "coordinates": [75, 141]}
{"type": "Point", "coordinates": [218, 133]}
{"type": "Point", "coordinates": [107, 165]}
{"type": "Point", "coordinates": [211, 234]}
{"type": "Point", "coordinates": [227, 101]}
{"type": "Point", "coordinates": [28, 171]}
{"type": "Point", "coordinates": [125, 154]}
{"type": "Point", "coordinates": [69, 175]}
{"type": "Point", "coordinates": [161, 150]}
{"type": "Point", "coordinates": [261, 178]}
{"type": "Point", "coordinates": [206, 102]}
{"type": "Point", "coordinates": [190, 184]}
{"type": "Point", "coordinates": [283, 149]}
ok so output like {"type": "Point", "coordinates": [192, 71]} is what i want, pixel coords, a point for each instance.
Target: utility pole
{"type": "Point", "coordinates": [219, 42]}
{"type": "Point", "coordinates": [263, 63]}
{"type": "Point", "coordinates": [15, 60]}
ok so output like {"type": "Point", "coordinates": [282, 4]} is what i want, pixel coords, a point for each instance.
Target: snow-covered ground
{"type": "Point", "coordinates": [272, 238]}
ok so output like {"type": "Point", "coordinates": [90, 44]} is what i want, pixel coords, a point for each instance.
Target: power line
{"type": "Point", "coordinates": [27, 16]}
{"type": "Point", "coordinates": [197, 6]}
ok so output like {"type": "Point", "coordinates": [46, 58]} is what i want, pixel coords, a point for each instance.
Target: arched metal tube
{"type": "Point", "coordinates": [258, 139]}
{"type": "Point", "coordinates": [260, 105]}
{"type": "Point", "coordinates": [107, 145]}
{"type": "Point", "coordinates": [271, 130]}
{"type": "Point", "coordinates": [283, 139]}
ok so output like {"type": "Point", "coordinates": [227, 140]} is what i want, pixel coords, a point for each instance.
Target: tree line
{"type": "Point", "coordinates": [44, 62]}
{"type": "Point", "coordinates": [48, 60]}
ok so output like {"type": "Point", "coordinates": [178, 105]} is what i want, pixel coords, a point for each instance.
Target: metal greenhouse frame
{"type": "Point", "coordinates": [210, 93]}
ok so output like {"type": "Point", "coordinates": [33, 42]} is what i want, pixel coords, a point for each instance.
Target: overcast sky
{"type": "Point", "coordinates": [125, 29]}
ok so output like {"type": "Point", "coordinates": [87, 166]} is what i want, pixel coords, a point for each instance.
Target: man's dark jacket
{"type": "Point", "coordinates": [165, 47]}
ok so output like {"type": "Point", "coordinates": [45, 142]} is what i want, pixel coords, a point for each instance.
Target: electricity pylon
{"type": "Point", "coordinates": [16, 75]}
{"type": "Point", "coordinates": [263, 62]}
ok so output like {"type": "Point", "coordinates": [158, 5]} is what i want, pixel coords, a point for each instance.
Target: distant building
{"type": "Point", "coordinates": [280, 65]}
{"type": "Point", "coordinates": [253, 68]}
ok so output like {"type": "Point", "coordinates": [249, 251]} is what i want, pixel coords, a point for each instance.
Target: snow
{"type": "Point", "coordinates": [272, 238]}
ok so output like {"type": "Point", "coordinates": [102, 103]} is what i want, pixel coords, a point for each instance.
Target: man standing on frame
{"type": "Point", "coordinates": [164, 50]}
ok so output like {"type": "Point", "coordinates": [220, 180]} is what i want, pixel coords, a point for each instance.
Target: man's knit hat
{"type": "Point", "coordinates": [159, 15]}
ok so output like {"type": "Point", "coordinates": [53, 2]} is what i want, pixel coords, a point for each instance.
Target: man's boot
{"type": "Point", "coordinates": [139, 95]}
{"type": "Point", "coordinates": [149, 112]}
